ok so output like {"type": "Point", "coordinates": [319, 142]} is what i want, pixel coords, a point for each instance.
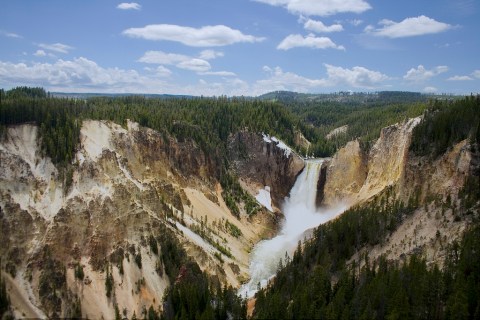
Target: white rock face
{"type": "Point", "coordinates": [30, 178]}
{"type": "Point", "coordinates": [263, 197]}
{"type": "Point", "coordinates": [96, 136]}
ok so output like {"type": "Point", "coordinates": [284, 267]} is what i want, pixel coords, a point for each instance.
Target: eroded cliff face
{"type": "Point", "coordinates": [346, 173]}
{"type": "Point", "coordinates": [389, 170]}
{"type": "Point", "coordinates": [262, 161]}
{"type": "Point", "coordinates": [353, 175]}
{"type": "Point", "coordinates": [127, 186]}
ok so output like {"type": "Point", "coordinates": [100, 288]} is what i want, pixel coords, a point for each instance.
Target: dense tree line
{"type": "Point", "coordinates": [365, 114]}
{"type": "Point", "coordinates": [446, 123]}
{"type": "Point", "coordinates": [208, 121]}
{"type": "Point", "coordinates": [364, 121]}
{"type": "Point", "coordinates": [57, 120]}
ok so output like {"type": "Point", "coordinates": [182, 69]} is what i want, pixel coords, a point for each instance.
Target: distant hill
{"type": "Point", "coordinates": [115, 95]}
{"type": "Point", "coordinates": [347, 96]}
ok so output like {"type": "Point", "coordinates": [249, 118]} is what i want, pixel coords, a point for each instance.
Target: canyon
{"type": "Point", "coordinates": [129, 183]}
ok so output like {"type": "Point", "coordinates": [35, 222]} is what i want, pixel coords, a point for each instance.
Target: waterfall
{"type": "Point", "coordinates": [300, 215]}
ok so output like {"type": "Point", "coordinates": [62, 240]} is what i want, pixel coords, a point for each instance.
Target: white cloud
{"type": "Point", "coordinates": [310, 41]}
{"type": "Point", "coordinates": [460, 78]}
{"type": "Point", "coordinates": [207, 36]}
{"type": "Point", "coordinates": [319, 27]}
{"type": "Point", "coordinates": [79, 75]}
{"type": "Point", "coordinates": [420, 74]}
{"type": "Point", "coordinates": [40, 53]}
{"type": "Point", "coordinates": [219, 73]}
{"type": "Point", "coordinates": [210, 54]}
{"type": "Point", "coordinates": [430, 89]}
{"type": "Point", "coordinates": [355, 22]}
{"type": "Point", "coordinates": [179, 60]}
{"type": "Point", "coordinates": [409, 27]}
{"type": "Point", "coordinates": [320, 8]}
{"type": "Point", "coordinates": [357, 77]}
{"type": "Point", "coordinates": [476, 74]}
{"type": "Point", "coordinates": [84, 75]}
{"type": "Point", "coordinates": [10, 34]}
{"type": "Point", "coordinates": [56, 47]}
{"type": "Point", "coordinates": [129, 6]}
{"type": "Point", "coordinates": [280, 80]}
{"type": "Point", "coordinates": [197, 65]}
{"type": "Point", "coordinates": [161, 71]}
{"type": "Point", "coordinates": [160, 57]}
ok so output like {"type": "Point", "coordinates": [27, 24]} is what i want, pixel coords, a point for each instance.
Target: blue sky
{"type": "Point", "coordinates": [240, 47]}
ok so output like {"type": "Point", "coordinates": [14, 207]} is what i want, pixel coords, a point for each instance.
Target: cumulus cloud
{"type": "Point", "coordinates": [40, 53]}
{"type": "Point", "coordinates": [319, 27]}
{"type": "Point", "coordinates": [310, 41]}
{"type": "Point", "coordinates": [219, 73]}
{"type": "Point", "coordinates": [207, 36]}
{"type": "Point", "coordinates": [420, 74]}
{"type": "Point", "coordinates": [129, 6]}
{"type": "Point", "coordinates": [198, 64]}
{"type": "Point", "coordinates": [160, 57]}
{"type": "Point", "coordinates": [280, 80]}
{"type": "Point", "coordinates": [56, 47]}
{"type": "Point", "coordinates": [80, 75]}
{"type": "Point", "coordinates": [179, 60]}
{"type": "Point", "coordinates": [430, 89]}
{"type": "Point", "coordinates": [357, 77]}
{"type": "Point", "coordinates": [460, 78]}
{"type": "Point", "coordinates": [320, 8]}
{"type": "Point", "coordinates": [476, 74]}
{"type": "Point", "coordinates": [162, 71]}
{"type": "Point", "coordinates": [10, 34]}
{"type": "Point", "coordinates": [355, 22]}
{"type": "Point", "coordinates": [409, 27]}
{"type": "Point", "coordinates": [210, 54]}
{"type": "Point", "coordinates": [84, 75]}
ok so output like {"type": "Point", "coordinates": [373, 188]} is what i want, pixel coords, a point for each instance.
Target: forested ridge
{"type": "Point", "coordinates": [208, 121]}
{"type": "Point", "coordinates": [446, 123]}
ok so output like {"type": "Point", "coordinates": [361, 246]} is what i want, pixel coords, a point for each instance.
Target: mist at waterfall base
{"type": "Point", "coordinates": [301, 214]}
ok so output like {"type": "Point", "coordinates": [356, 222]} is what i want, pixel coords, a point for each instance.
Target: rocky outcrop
{"type": "Point", "coordinates": [354, 175]}
{"type": "Point", "coordinates": [443, 176]}
{"type": "Point", "coordinates": [429, 186]}
{"type": "Point", "coordinates": [263, 161]}
{"type": "Point", "coordinates": [346, 173]}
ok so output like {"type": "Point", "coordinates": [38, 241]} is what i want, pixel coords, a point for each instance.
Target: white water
{"type": "Point", "coordinates": [300, 215]}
